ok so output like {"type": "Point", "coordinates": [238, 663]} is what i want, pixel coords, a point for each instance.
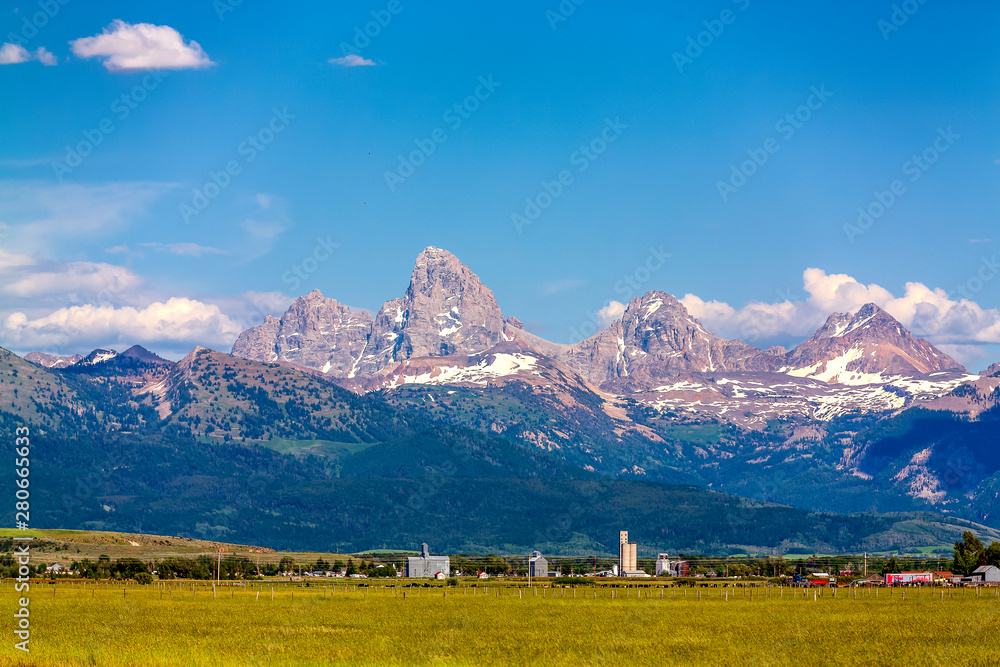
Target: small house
{"type": "Point", "coordinates": [988, 574]}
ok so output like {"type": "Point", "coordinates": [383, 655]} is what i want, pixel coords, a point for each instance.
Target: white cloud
{"type": "Point", "coordinates": [184, 249]}
{"type": "Point", "coordinates": [352, 60]}
{"type": "Point", "coordinates": [129, 47]}
{"type": "Point", "coordinates": [955, 322]}
{"type": "Point", "coordinates": [45, 57]}
{"type": "Point", "coordinates": [610, 313]}
{"type": "Point", "coordinates": [175, 320]}
{"type": "Point", "coordinates": [13, 54]}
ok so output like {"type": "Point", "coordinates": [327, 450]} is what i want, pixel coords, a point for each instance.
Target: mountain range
{"type": "Point", "coordinates": [861, 417]}
{"type": "Point", "coordinates": [448, 329]}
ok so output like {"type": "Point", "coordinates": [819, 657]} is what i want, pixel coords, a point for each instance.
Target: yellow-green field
{"type": "Point", "coordinates": [326, 624]}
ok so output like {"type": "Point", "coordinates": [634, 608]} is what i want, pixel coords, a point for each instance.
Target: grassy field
{"type": "Point", "coordinates": [66, 546]}
{"type": "Point", "coordinates": [109, 625]}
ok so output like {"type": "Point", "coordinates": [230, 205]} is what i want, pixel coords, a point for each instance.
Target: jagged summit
{"type": "Point", "coordinates": [657, 338]}
{"type": "Point", "coordinates": [867, 346]}
{"type": "Point", "coordinates": [447, 311]}
{"type": "Point", "coordinates": [869, 318]}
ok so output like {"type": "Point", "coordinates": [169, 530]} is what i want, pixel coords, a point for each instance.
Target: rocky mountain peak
{"type": "Point", "coordinates": [868, 321]}
{"type": "Point", "coordinates": [863, 347]}
{"type": "Point", "coordinates": [658, 339]}
{"type": "Point", "coordinates": [98, 356]}
{"type": "Point", "coordinates": [446, 310]}
{"type": "Point", "coordinates": [52, 360]}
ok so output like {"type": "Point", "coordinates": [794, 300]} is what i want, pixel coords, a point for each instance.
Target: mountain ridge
{"type": "Point", "coordinates": [656, 352]}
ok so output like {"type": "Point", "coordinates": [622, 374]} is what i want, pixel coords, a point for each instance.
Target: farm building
{"type": "Point", "coordinates": [425, 565]}
{"type": "Point", "coordinates": [671, 568]}
{"type": "Point", "coordinates": [537, 565]}
{"type": "Point", "coordinates": [903, 578]}
{"type": "Point", "coordinates": [989, 574]}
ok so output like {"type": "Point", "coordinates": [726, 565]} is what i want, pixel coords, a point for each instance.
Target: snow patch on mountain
{"type": "Point", "coordinates": [496, 366]}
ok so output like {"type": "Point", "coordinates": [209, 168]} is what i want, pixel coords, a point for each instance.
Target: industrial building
{"type": "Point", "coordinates": [427, 566]}
{"type": "Point", "coordinates": [626, 557]}
{"type": "Point", "coordinates": [537, 565]}
{"type": "Point", "coordinates": [671, 568]}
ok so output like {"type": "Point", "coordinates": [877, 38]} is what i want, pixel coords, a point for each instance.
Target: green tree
{"type": "Point", "coordinates": [890, 566]}
{"type": "Point", "coordinates": [993, 554]}
{"type": "Point", "coordinates": [969, 554]}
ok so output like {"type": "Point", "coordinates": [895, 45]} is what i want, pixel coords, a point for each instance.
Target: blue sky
{"type": "Point", "coordinates": [105, 252]}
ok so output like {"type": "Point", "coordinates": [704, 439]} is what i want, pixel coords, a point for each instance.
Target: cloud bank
{"type": "Point", "coordinates": [142, 46]}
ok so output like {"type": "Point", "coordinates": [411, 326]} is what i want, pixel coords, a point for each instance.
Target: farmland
{"type": "Point", "coordinates": [76, 623]}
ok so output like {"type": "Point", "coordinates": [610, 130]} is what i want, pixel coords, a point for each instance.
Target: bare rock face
{"type": "Point", "coordinates": [446, 311]}
{"type": "Point", "coordinates": [315, 332]}
{"type": "Point", "coordinates": [858, 348]}
{"type": "Point", "coordinates": [258, 343]}
{"type": "Point", "coordinates": [655, 340]}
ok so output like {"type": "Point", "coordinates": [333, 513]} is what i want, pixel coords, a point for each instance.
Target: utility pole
{"type": "Point", "coordinates": [866, 565]}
